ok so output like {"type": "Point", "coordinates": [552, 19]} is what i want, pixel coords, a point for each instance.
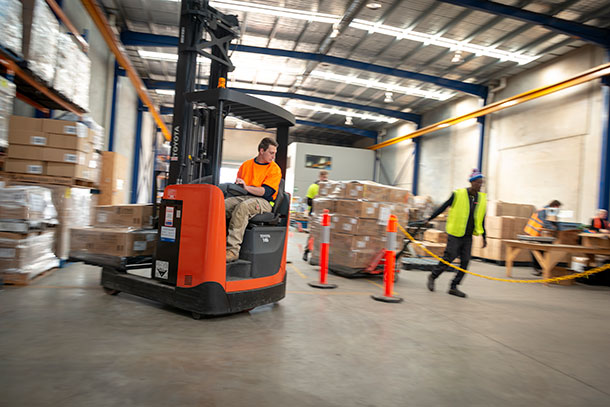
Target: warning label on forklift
{"type": "Point", "coordinates": [169, 216]}
{"type": "Point", "coordinates": [168, 234]}
{"type": "Point", "coordinates": [161, 269]}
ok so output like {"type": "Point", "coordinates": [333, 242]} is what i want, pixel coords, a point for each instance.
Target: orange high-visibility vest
{"type": "Point", "coordinates": [599, 223]}
{"type": "Point", "coordinates": [534, 225]}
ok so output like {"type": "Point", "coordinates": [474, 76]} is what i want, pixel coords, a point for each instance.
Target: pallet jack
{"type": "Point", "coordinates": [188, 269]}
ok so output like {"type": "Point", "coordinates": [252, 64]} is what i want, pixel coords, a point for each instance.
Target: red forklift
{"type": "Point", "coordinates": [188, 269]}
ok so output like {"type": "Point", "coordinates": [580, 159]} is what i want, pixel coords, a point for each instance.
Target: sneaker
{"type": "Point", "coordinates": [231, 256]}
{"type": "Point", "coordinates": [430, 282]}
{"type": "Point", "coordinates": [537, 273]}
{"type": "Point", "coordinates": [457, 292]}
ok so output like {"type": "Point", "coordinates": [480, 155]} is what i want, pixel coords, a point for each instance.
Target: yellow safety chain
{"type": "Point", "coordinates": [547, 280]}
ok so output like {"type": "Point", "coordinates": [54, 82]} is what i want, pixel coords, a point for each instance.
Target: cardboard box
{"type": "Point", "coordinates": [120, 242]}
{"type": "Point", "coordinates": [319, 204]}
{"type": "Point", "coordinates": [68, 170]}
{"type": "Point", "coordinates": [21, 123]}
{"type": "Point", "coordinates": [436, 248]}
{"type": "Point", "coordinates": [114, 171]}
{"type": "Point", "coordinates": [496, 250]}
{"type": "Point", "coordinates": [519, 226]}
{"type": "Point", "coordinates": [65, 127]}
{"type": "Point", "coordinates": [499, 208]}
{"type": "Point", "coordinates": [351, 259]}
{"type": "Point", "coordinates": [324, 188]}
{"type": "Point", "coordinates": [26, 152]}
{"type": "Point", "coordinates": [69, 142]}
{"type": "Point", "coordinates": [28, 137]}
{"type": "Point", "coordinates": [369, 191]}
{"type": "Point", "coordinates": [138, 216]}
{"type": "Point", "coordinates": [108, 197]}
{"type": "Point", "coordinates": [64, 156]}
{"type": "Point", "coordinates": [357, 208]}
{"type": "Point", "coordinates": [347, 242]}
{"type": "Point", "coordinates": [435, 236]}
{"type": "Point", "coordinates": [398, 195]}
{"type": "Point", "coordinates": [355, 226]}
{"type": "Point", "coordinates": [401, 211]}
{"type": "Point", "coordinates": [499, 227]}
{"type": "Point", "coordinates": [560, 272]}
{"type": "Point", "coordinates": [526, 211]}
{"type": "Point", "coordinates": [25, 166]}
{"type": "Point", "coordinates": [336, 190]}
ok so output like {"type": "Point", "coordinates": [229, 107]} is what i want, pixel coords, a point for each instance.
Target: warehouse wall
{"type": "Point", "coordinates": [145, 168]}
{"type": "Point", "coordinates": [395, 163]}
{"type": "Point", "coordinates": [549, 148]}
{"type": "Point", "coordinates": [545, 149]}
{"type": "Point", "coordinates": [242, 144]}
{"type": "Point", "coordinates": [125, 127]}
{"type": "Point", "coordinates": [347, 164]}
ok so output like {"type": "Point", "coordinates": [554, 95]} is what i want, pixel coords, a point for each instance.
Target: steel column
{"type": "Point", "coordinates": [137, 148]}
{"type": "Point", "coordinates": [481, 121]}
{"type": "Point", "coordinates": [416, 165]}
{"type": "Point", "coordinates": [113, 112]}
{"type": "Point", "coordinates": [604, 176]}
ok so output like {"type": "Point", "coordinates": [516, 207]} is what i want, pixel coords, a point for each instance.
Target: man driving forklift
{"type": "Point", "coordinates": [260, 177]}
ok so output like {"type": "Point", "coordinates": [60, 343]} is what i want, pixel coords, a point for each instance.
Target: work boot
{"type": "Point", "coordinates": [537, 272]}
{"type": "Point", "coordinates": [305, 255]}
{"type": "Point", "coordinates": [231, 256]}
{"type": "Point", "coordinates": [430, 283]}
{"type": "Point", "coordinates": [455, 291]}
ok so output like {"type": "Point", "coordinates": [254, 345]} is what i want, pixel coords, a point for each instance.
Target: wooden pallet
{"type": "Point", "coordinates": [45, 179]}
{"type": "Point", "coordinates": [24, 278]}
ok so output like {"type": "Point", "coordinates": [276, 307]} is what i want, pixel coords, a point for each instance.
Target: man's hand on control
{"type": "Point", "coordinates": [240, 182]}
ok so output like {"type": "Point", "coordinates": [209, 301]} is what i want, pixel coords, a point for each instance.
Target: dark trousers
{"type": "Point", "coordinates": [537, 265]}
{"type": "Point", "coordinates": [456, 247]}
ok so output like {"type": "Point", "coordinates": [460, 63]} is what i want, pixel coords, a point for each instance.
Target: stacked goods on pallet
{"type": "Point", "coordinates": [504, 221]}
{"type": "Point", "coordinates": [73, 71]}
{"type": "Point", "coordinates": [40, 39]}
{"type": "Point", "coordinates": [112, 181]}
{"type": "Point", "coordinates": [7, 96]}
{"type": "Point", "coordinates": [360, 212]}
{"type": "Point", "coordinates": [434, 240]}
{"type": "Point", "coordinates": [119, 232]}
{"type": "Point", "coordinates": [27, 217]}
{"type": "Point", "coordinates": [74, 208]}
{"type": "Point", "coordinates": [53, 148]}
{"type": "Point", "coordinates": [11, 26]}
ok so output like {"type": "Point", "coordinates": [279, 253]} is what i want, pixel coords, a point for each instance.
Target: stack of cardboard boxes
{"type": "Point", "coordinates": [360, 212]}
{"type": "Point", "coordinates": [119, 231]}
{"type": "Point", "coordinates": [504, 221]}
{"type": "Point", "coordinates": [27, 219]}
{"type": "Point", "coordinates": [434, 240]}
{"type": "Point", "coordinates": [113, 179]}
{"type": "Point", "coordinates": [55, 148]}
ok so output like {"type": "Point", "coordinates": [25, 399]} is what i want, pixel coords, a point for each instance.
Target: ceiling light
{"type": "Point", "coordinates": [234, 5]}
{"type": "Point", "coordinates": [373, 5]}
{"type": "Point", "coordinates": [321, 109]}
{"type": "Point", "coordinates": [457, 57]}
{"type": "Point", "coordinates": [388, 97]}
{"type": "Point", "coordinates": [167, 92]}
{"type": "Point", "coordinates": [367, 83]}
{"type": "Point", "coordinates": [348, 121]}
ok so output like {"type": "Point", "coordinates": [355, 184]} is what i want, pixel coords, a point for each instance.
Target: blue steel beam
{"type": "Point", "coordinates": [359, 132]}
{"type": "Point", "coordinates": [135, 173]}
{"type": "Point", "coordinates": [412, 117]}
{"type": "Point", "coordinates": [481, 122]}
{"type": "Point", "coordinates": [604, 176]}
{"type": "Point", "coordinates": [587, 33]}
{"type": "Point", "coordinates": [130, 38]}
{"type": "Point", "coordinates": [113, 112]}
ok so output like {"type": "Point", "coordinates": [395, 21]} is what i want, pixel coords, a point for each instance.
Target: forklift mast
{"type": "Point", "coordinates": [196, 144]}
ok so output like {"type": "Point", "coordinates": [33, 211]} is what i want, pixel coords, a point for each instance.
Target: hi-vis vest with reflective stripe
{"type": "Point", "coordinates": [534, 225]}
{"type": "Point", "coordinates": [460, 211]}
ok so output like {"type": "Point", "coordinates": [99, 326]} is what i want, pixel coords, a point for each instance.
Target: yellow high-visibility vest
{"type": "Point", "coordinates": [460, 211]}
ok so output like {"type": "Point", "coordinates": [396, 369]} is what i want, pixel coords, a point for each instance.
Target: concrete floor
{"type": "Point", "coordinates": [63, 342]}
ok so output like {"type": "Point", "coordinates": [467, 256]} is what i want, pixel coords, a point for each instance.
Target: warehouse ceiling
{"type": "Point", "coordinates": [354, 89]}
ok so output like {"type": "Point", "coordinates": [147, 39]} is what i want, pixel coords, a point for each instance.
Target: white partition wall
{"type": "Point", "coordinates": [346, 164]}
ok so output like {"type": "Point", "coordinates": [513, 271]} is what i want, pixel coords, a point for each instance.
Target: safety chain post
{"type": "Point", "coordinates": [390, 260]}
{"type": "Point", "coordinates": [324, 249]}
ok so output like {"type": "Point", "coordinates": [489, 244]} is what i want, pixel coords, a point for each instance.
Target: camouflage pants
{"type": "Point", "coordinates": [240, 209]}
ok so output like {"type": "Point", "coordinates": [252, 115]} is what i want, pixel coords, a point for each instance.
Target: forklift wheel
{"type": "Point", "coordinates": [111, 291]}
{"type": "Point", "coordinates": [196, 315]}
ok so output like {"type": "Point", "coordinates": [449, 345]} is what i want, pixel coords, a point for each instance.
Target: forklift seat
{"type": "Point", "coordinates": [271, 218]}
